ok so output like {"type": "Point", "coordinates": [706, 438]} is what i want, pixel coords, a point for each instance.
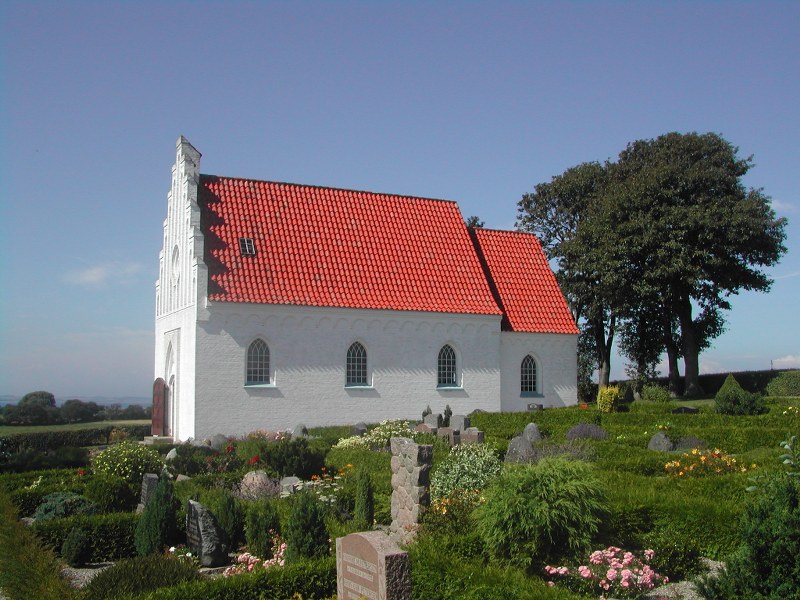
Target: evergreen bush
{"type": "Point", "coordinates": [535, 513]}
{"type": "Point", "coordinates": [111, 493]}
{"type": "Point", "coordinates": [655, 393]}
{"type": "Point", "coordinates": [768, 563]}
{"type": "Point", "coordinates": [77, 548]}
{"type": "Point", "coordinates": [364, 510]}
{"type": "Point", "coordinates": [134, 576]}
{"type": "Point", "coordinates": [786, 383]}
{"type": "Point", "coordinates": [64, 504]}
{"type": "Point", "coordinates": [111, 535]}
{"type": "Point", "coordinates": [157, 526]}
{"type": "Point", "coordinates": [128, 460]}
{"type": "Point", "coordinates": [305, 532]}
{"type": "Point", "coordinates": [731, 399]}
{"type": "Point", "coordinates": [261, 521]}
{"type": "Point", "coordinates": [228, 512]}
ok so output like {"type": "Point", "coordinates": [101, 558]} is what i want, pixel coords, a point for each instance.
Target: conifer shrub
{"type": "Point", "coordinates": [655, 393]}
{"type": "Point", "coordinates": [157, 526]}
{"type": "Point", "coordinates": [133, 576]}
{"type": "Point", "coordinates": [364, 509]}
{"type": "Point", "coordinates": [111, 493]}
{"type": "Point", "coordinates": [64, 504]}
{"type": "Point", "coordinates": [305, 533]}
{"type": "Point", "coordinates": [261, 522]}
{"type": "Point", "coordinates": [128, 460]}
{"type": "Point", "coordinates": [732, 399]}
{"type": "Point", "coordinates": [609, 398]}
{"type": "Point", "coordinates": [535, 513]}
{"type": "Point", "coordinates": [228, 512]}
{"type": "Point", "coordinates": [77, 548]}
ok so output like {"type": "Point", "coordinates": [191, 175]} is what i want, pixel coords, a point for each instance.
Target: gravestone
{"type": "Point", "coordinates": [299, 431]}
{"type": "Point", "coordinates": [171, 455]}
{"type": "Point", "coordinates": [205, 537]}
{"type": "Point", "coordinates": [685, 410]}
{"type": "Point", "coordinates": [432, 420]}
{"type": "Point", "coordinates": [472, 435]}
{"type": "Point", "coordinates": [660, 442]}
{"type": "Point", "coordinates": [257, 484]}
{"type": "Point", "coordinates": [453, 437]}
{"type": "Point", "coordinates": [425, 428]}
{"type": "Point", "coordinates": [149, 484]}
{"type": "Point", "coordinates": [371, 566]}
{"type": "Point", "coordinates": [219, 442]}
{"type": "Point", "coordinates": [359, 429]}
{"type": "Point", "coordinates": [520, 450]}
{"type": "Point", "coordinates": [288, 485]}
{"type": "Point", "coordinates": [531, 433]}
{"type": "Point", "coordinates": [459, 423]}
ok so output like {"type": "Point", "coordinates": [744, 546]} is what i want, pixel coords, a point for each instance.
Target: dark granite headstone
{"type": "Point", "coordinates": [660, 442]}
{"type": "Point", "coordinates": [149, 484]}
{"type": "Point", "coordinates": [205, 537]}
{"type": "Point", "coordinates": [451, 436]}
{"type": "Point", "coordinates": [520, 450]}
{"type": "Point", "coordinates": [371, 566]}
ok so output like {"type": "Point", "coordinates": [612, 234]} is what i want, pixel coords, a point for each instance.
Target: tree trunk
{"type": "Point", "coordinates": [691, 351]}
{"type": "Point", "coordinates": [673, 374]}
{"type": "Point", "coordinates": [604, 349]}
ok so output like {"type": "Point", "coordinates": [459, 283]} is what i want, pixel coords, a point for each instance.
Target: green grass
{"type": "Point", "coordinates": [12, 429]}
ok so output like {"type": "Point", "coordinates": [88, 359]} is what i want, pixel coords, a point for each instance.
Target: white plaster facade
{"type": "Point", "coordinates": [201, 350]}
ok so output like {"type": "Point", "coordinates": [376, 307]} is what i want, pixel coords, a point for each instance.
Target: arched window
{"type": "Point", "coordinates": [447, 373]}
{"type": "Point", "coordinates": [528, 375]}
{"type": "Point", "coordinates": [257, 363]}
{"type": "Point", "coordinates": [356, 365]}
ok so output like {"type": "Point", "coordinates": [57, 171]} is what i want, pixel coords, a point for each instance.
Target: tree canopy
{"type": "Point", "coordinates": [653, 246]}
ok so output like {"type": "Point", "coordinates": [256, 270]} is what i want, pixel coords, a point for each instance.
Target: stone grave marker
{"type": "Point", "coordinates": [459, 423]}
{"type": "Point", "coordinates": [660, 442]}
{"type": "Point", "coordinates": [531, 433]}
{"type": "Point", "coordinates": [359, 429]}
{"type": "Point", "coordinates": [371, 566]}
{"type": "Point", "coordinates": [205, 537]}
{"type": "Point", "coordinates": [149, 484]}
{"type": "Point", "coordinates": [432, 420]}
{"type": "Point", "coordinates": [452, 436]}
{"type": "Point", "coordinates": [472, 435]}
{"type": "Point", "coordinates": [411, 465]}
{"type": "Point", "coordinates": [520, 450]}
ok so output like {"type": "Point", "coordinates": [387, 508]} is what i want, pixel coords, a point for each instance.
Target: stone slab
{"type": "Point", "coordinates": [371, 566]}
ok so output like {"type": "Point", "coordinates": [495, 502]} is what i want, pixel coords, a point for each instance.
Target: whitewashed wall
{"type": "Point", "coordinates": [556, 361]}
{"type": "Point", "coordinates": [308, 349]}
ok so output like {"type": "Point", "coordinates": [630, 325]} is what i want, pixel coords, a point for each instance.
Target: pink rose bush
{"type": "Point", "coordinates": [246, 562]}
{"type": "Point", "coordinates": [610, 572]}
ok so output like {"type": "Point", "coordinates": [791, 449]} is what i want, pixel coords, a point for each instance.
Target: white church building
{"type": "Point", "coordinates": [279, 304]}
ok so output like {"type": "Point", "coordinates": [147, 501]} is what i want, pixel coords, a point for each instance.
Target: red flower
{"type": "Point", "coordinates": [254, 460]}
{"type": "Point", "coordinates": [584, 405]}
{"type": "Point", "coordinates": [81, 472]}
{"type": "Point", "coordinates": [229, 448]}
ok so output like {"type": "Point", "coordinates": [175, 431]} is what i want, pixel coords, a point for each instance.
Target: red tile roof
{"type": "Point", "coordinates": [329, 247]}
{"type": "Point", "coordinates": [523, 283]}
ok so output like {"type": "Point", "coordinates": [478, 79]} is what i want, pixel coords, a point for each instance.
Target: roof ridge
{"type": "Point", "coordinates": [328, 187]}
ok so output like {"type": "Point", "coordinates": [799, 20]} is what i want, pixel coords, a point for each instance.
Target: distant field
{"type": "Point", "coordinates": [11, 429]}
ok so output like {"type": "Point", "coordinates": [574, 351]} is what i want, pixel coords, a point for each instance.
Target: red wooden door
{"type": "Point", "coordinates": [159, 391]}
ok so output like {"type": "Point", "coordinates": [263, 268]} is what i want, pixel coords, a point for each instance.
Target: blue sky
{"type": "Point", "coordinates": [471, 101]}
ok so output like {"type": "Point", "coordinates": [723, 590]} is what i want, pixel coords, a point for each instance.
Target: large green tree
{"type": "Point", "coordinates": [561, 213]}
{"type": "Point", "coordinates": [687, 232]}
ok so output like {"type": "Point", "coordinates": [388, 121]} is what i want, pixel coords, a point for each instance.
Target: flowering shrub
{"type": "Point", "coordinates": [128, 460]}
{"type": "Point", "coordinates": [247, 562]}
{"type": "Point", "coordinates": [324, 486]}
{"type": "Point", "coordinates": [184, 553]}
{"type": "Point", "coordinates": [655, 393]}
{"type": "Point", "coordinates": [610, 572]}
{"type": "Point", "coordinates": [791, 411]}
{"type": "Point", "coordinates": [609, 398]}
{"type": "Point", "coordinates": [466, 469]}
{"type": "Point", "coordinates": [704, 462]}
{"type": "Point", "coordinates": [379, 437]}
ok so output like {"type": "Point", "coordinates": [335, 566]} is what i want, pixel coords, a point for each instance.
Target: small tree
{"type": "Point", "coordinates": [261, 523]}
{"type": "Point", "coordinates": [364, 512]}
{"type": "Point", "coordinates": [306, 534]}
{"type": "Point", "coordinates": [157, 526]}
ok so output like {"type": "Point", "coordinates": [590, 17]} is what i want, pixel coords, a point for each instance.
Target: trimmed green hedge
{"type": "Point", "coordinates": [111, 534]}
{"type": "Point", "coordinates": [311, 579]}
{"type": "Point", "coordinates": [42, 441]}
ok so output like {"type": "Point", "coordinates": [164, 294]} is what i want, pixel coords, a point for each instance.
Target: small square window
{"type": "Point", "coordinates": [247, 246]}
